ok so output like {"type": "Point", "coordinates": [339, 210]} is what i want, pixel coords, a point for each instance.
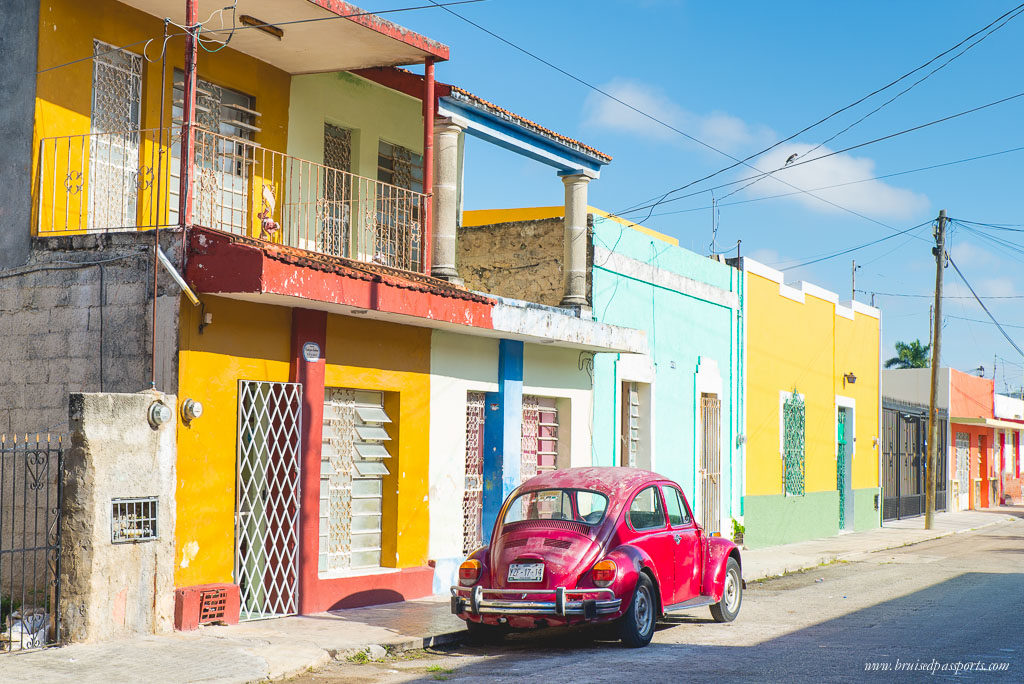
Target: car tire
{"type": "Point", "coordinates": [728, 608]}
{"type": "Point", "coordinates": [481, 633]}
{"type": "Point", "coordinates": [636, 627]}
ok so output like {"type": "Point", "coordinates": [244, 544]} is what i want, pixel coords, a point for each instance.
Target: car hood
{"type": "Point", "coordinates": [567, 550]}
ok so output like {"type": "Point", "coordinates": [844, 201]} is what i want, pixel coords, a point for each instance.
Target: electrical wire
{"type": "Point", "coordinates": [1016, 9]}
{"type": "Point", "coordinates": [841, 185]}
{"type": "Point", "coordinates": [982, 304]}
{"type": "Point", "coordinates": [833, 255]}
{"type": "Point", "coordinates": [977, 320]}
{"type": "Point", "coordinates": [932, 296]}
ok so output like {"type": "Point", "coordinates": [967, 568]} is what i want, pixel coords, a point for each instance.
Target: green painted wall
{"type": "Point", "coordinates": [779, 519]}
{"type": "Point", "coordinates": [371, 111]}
{"type": "Point", "coordinates": [865, 515]}
{"type": "Point", "coordinates": [681, 329]}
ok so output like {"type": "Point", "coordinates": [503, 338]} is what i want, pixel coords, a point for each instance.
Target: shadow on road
{"type": "Point", "coordinates": [969, 618]}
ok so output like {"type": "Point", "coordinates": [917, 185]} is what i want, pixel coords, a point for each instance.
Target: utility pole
{"type": "Point", "coordinates": [933, 424]}
{"type": "Point", "coordinates": [931, 319]}
{"type": "Point", "coordinates": [853, 280]}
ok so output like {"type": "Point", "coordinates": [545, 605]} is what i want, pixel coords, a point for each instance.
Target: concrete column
{"type": "Point", "coordinates": [445, 199]}
{"type": "Point", "coordinates": [574, 261]}
{"type": "Point", "coordinates": [503, 433]}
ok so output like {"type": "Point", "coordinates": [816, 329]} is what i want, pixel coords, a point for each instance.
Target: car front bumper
{"type": "Point", "coordinates": [587, 603]}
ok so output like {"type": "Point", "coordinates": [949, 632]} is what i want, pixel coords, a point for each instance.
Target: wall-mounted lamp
{"type": "Point", "coordinates": [849, 379]}
{"type": "Point", "coordinates": [260, 25]}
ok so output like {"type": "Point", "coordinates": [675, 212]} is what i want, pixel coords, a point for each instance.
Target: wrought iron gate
{"type": "Point", "coordinates": [710, 463]}
{"type": "Point", "coordinates": [267, 490]}
{"type": "Point", "coordinates": [905, 455]}
{"type": "Point", "coordinates": [30, 498]}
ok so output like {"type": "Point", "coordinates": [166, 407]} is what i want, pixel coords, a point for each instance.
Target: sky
{"type": "Point", "coordinates": [741, 76]}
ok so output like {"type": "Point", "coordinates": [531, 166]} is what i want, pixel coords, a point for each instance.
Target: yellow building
{"type": "Point", "coordinates": [812, 411]}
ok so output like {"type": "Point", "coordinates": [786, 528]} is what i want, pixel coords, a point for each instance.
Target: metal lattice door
{"type": "Point", "coordinates": [843, 475]}
{"type": "Point", "coordinates": [710, 463]}
{"type": "Point", "coordinates": [267, 498]}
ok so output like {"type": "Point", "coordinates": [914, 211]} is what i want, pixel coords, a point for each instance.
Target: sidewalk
{"type": "Point", "coordinates": [273, 649]}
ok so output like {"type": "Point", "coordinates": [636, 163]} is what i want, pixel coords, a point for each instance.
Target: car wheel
{"type": "Point", "coordinates": [636, 627]}
{"type": "Point", "coordinates": [728, 608]}
{"type": "Point", "coordinates": [481, 633]}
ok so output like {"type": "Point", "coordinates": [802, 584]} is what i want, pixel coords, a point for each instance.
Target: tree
{"type": "Point", "coordinates": [912, 355]}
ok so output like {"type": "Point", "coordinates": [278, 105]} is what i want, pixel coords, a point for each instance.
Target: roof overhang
{"type": "Point", "coordinates": [342, 37]}
{"type": "Point", "coordinates": [246, 269]}
{"type": "Point", "coordinates": [989, 422]}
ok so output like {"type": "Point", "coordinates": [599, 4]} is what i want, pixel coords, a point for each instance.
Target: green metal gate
{"type": "Point", "coordinates": [844, 477]}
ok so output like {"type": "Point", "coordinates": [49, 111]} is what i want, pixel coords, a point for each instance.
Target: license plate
{"type": "Point", "coordinates": [523, 572]}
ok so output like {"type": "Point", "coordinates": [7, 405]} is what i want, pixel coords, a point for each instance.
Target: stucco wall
{"type": "Point", "coordinates": [687, 305]}
{"type": "Point", "coordinates": [111, 591]}
{"type": "Point", "coordinates": [518, 259]}
{"type": "Point", "coordinates": [20, 19]}
{"type": "Point", "coordinates": [371, 111]}
{"type": "Point", "coordinates": [970, 396]}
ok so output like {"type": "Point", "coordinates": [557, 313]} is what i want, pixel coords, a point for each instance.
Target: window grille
{"type": "Point", "coordinates": [396, 240]}
{"type": "Point", "coordinates": [133, 520]}
{"type": "Point", "coordinates": [114, 157]}
{"type": "Point", "coordinates": [963, 455]}
{"type": "Point", "coordinates": [630, 424]}
{"type": "Point", "coordinates": [793, 457]}
{"type": "Point", "coordinates": [222, 164]}
{"type": "Point", "coordinates": [472, 498]}
{"type": "Point", "coordinates": [352, 469]}
{"type": "Point", "coordinates": [539, 436]}
{"type": "Point", "coordinates": [335, 232]}
{"type": "Point", "coordinates": [711, 463]}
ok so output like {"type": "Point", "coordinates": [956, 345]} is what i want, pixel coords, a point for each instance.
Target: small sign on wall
{"type": "Point", "coordinates": [311, 352]}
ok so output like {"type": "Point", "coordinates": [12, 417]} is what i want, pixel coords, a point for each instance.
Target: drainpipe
{"type": "Point", "coordinates": [188, 134]}
{"type": "Point", "coordinates": [429, 106]}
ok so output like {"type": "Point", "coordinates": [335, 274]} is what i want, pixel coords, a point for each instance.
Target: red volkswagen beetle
{"type": "Point", "coordinates": [596, 545]}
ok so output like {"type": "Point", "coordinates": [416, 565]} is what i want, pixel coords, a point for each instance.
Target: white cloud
{"type": "Point", "coordinates": [996, 287]}
{"type": "Point", "coordinates": [716, 128]}
{"type": "Point", "coordinates": [874, 198]}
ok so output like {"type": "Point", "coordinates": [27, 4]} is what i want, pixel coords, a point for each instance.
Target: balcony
{"type": "Point", "coordinates": [129, 180]}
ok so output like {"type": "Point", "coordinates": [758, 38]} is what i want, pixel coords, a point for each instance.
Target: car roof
{"type": "Point", "coordinates": [613, 481]}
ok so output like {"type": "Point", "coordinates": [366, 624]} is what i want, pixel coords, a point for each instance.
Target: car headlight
{"type": "Point", "coordinates": [469, 572]}
{"type": "Point", "coordinates": [603, 572]}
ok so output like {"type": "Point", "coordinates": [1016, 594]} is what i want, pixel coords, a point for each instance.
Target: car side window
{"type": "Point", "coordinates": [677, 514]}
{"type": "Point", "coordinates": [646, 513]}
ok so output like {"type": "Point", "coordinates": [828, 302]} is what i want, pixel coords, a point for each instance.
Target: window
{"type": "Point", "coordinates": [396, 240]}
{"type": "Point", "coordinates": [645, 513]}
{"type": "Point", "coordinates": [352, 467]}
{"type": "Point", "coordinates": [793, 457]}
{"type": "Point", "coordinates": [335, 232]}
{"type": "Point", "coordinates": [399, 166]}
{"type": "Point", "coordinates": [677, 514]}
{"type": "Point", "coordinates": [557, 504]}
{"type": "Point", "coordinates": [539, 435]}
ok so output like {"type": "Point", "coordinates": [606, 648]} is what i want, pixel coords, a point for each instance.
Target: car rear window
{"type": "Point", "coordinates": [579, 505]}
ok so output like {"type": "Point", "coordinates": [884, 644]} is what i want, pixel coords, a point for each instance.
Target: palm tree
{"type": "Point", "coordinates": [912, 355]}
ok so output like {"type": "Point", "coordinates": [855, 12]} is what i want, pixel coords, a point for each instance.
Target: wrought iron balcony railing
{"type": "Point", "coordinates": [129, 180]}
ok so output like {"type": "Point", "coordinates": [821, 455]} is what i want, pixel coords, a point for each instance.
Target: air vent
{"type": "Point", "coordinates": [558, 543]}
{"type": "Point", "coordinates": [577, 527]}
{"type": "Point", "coordinates": [212, 606]}
{"type": "Point", "coordinates": [511, 544]}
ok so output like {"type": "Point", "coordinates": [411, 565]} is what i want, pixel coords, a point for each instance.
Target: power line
{"type": "Point", "coordinates": [982, 304]}
{"type": "Point", "coordinates": [843, 109]}
{"type": "Point", "coordinates": [841, 185]}
{"type": "Point", "coordinates": [855, 247]}
{"type": "Point", "coordinates": [976, 320]}
{"type": "Point", "coordinates": [931, 295]}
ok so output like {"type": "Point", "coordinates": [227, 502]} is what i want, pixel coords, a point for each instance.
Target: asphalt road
{"type": "Point", "coordinates": [955, 600]}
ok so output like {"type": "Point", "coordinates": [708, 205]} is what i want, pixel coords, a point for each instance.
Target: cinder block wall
{"type": "Point", "coordinates": [108, 590]}
{"type": "Point", "coordinates": [517, 259]}
{"type": "Point", "coordinates": [77, 318]}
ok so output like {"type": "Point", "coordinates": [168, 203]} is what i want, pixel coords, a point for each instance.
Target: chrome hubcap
{"type": "Point", "coordinates": [731, 597]}
{"type": "Point", "coordinates": [643, 611]}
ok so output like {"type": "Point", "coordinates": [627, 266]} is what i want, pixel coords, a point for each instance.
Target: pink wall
{"type": "Point", "coordinates": [970, 396]}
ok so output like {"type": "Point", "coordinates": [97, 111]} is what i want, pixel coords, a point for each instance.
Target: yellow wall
{"type": "Point", "coordinates": [246, 341]}
{"type": "Point", "coordinates": [806, 347]}
{"type": "Point", "coordinates": [64, 96]}
{"type": "Point", "coordinates": [253, 342]}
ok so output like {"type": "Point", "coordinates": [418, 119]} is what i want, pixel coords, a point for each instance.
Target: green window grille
{"type": "Point", "coordinates": [793, 458]}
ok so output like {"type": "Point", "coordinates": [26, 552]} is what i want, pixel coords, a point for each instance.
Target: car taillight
{"type": "Point", "coordinates": [469, 572]}
{"type": "Point", "coordinates": [603, 573]}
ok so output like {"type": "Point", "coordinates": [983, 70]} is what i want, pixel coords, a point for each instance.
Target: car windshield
{"type": "Point", "coordinates": [578, 505]}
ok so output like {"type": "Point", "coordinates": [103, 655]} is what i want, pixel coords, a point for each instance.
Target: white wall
{"type": "Point", "coordinates": [913, 385]}
{"type": "Point", "coordinates": [555, 372]}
